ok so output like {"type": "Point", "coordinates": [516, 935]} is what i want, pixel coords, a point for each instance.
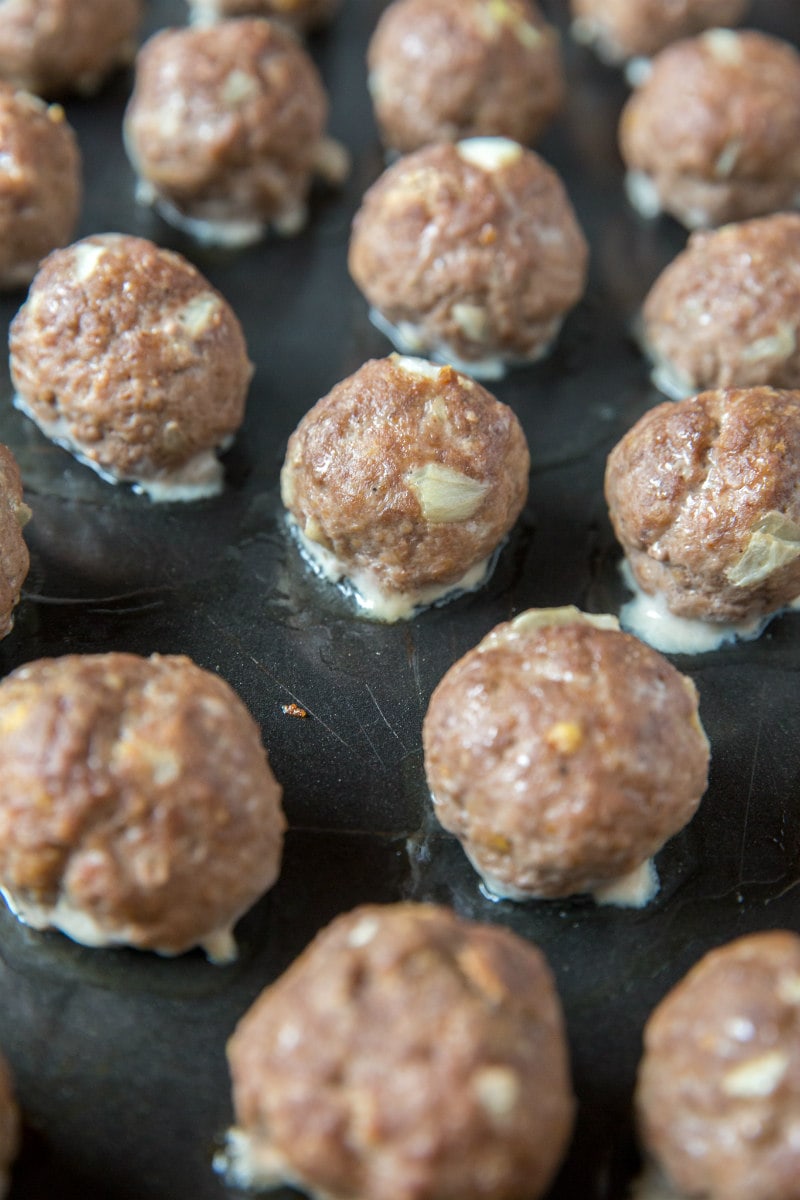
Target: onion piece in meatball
{"type": "Point", "coordinates": [300, 15]}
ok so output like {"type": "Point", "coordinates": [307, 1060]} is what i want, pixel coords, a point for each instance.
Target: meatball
{"type": "Point", "coordinates": [469, 253]}
{"type": "Point", "coordinates": [726, 312]}
{"type": "Point", "coordinates": [40, 183]}
{"type": "Point", "coordinates": [442, 70]}
{"type": "Point", "coordinates": [56, 46]}
{"type": "Point", "coordinates": [225, 129]}
{"type": "Point", "coordinates": [126, 356]}
{"type": "Point", "coordinates": [563, 754]}
{"type": "Point", "coordinates": [620, 30]}
{"type": "Point", "coordinates": [406, 1055]}
{"type": "Point", "coordinates": [731, 148]}
{"type": "Point", "coordinates": [14, 560]}
{"type": "Point", "coordinates": [301, 15]}
{"type": "Point", "coordinates": [718, 1094]}
{"type": "Point", "coordinates": [703, 495]}
{"type": "Point", "coordinates": [137, 805]}
{"type": "Point", "coordinates": [9, 1127]}
{"type": "Point", "coordinates": [404, 480]}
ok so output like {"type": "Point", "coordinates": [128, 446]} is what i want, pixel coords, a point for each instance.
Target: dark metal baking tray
{"type": "Point", "coordinates": [119, 1056]}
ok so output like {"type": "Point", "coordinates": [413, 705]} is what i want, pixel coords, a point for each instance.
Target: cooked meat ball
{"type": "Point", "coordinates": [563, 754]}
{"type": "Point", "coordinates": [619, 30]}
{"type": "Point", "coordinates": [301, 15]}
{"type": "Point", "coordinates": [137, 805]}
{"type": "Point", "coordinates": [9, 1127]}
{"type": "Point", "coordinates": [56, 46]}
{"type": "Point", "coordinates": [703, 496]}
{"type": "Point", "coordinates": [14, 560]}
{"type": "Point", "coordinates": [404, 480]}
{"type": "Point", "coordinates": [718, 1096]}
{"type": "Point", "coordinates": [226, 128]}
{"type": "Point", "coordinates": [442, 70]}
{"type": "Point", "coordinates": [406, 1055]}
{"type": "Point", "coordinates": [40, 183]}
{"type": "Point", "coordinates": [125, 354]}
{"type": "Point", "coordinates": [726, 312]}
{"type": "Point", "coordinates": [470, 253]}
{"type": "Point", "coordinates": [730, 149]}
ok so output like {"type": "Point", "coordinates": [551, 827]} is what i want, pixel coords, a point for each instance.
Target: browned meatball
{"type": "Point", "coordinates": [718, 1095]}
{"type": "Point", "coordinates": [125, 354]}
{"type": "Point", "coordinates": [619, 30]}
{"type": "Point", "coordinates": [726, 312]}
{"type": "Point", "coordinates": [442, 70]}
{"type": "Point", "coordinates": [302, 15]}
{"type": "Point", "coordinates": [703, 496]}
{"type": "Point", "coordinates": [470, 253]}
{"type": "Point", "coordinates": [136, 803]}
{"type": "Point", "coordinates": [40, 183]}
{"type": "Point", "coordinates": [9, 1126]}
{"type": "Point", "coordinates": [55, 46]}
{"type": "Point", "coordinates": [14, 560]}
{"type": "Point", "coordinates": [563, 754]}
{"type": "Point", "coordinates": [404, 480]}
{"type": "Point", "coordinates": [730, 148]}
{"type": "Point", "coordinates": [225, 129]}
{"type": "Point", "coordinates": [406, 1055]}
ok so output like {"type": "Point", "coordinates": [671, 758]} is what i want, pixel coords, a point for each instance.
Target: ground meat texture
{"type": "Point", "coordinates": [406, 1055]}
{"type": "Point", "coordinates": [9, 1126]}
{"type": "Point", "coordinates": [726, 312]}
{"type": "Point", "coordinates": [471, 253]}
{"type": "Point", "coordinates": [704, 499]}
{"type": "Point", "coordinates": [731, 148]}
{"type": "Point", "coordinates": [442, 70]}
{"type": "Point", "coordinates": [409, 476]}
{"type": "Point", "coordinates": [302, 15]}
{"type": "Point", "coordinates": [225, 129]}
{"type": "Point", "coordinates": [52, 47]}
{"type": "Point", "coordinates": [563, 754]}
{"type": "Point", "coordinates": [14, 560]}
{"type": "Point", "coordinates": [619, 30]}
{"type": "Point", "coordinates": [40, 183]}
{"type": "Point", "coordinates": [718, 1095]}
{"type": "Point", "coordinates": [126, 355]}
{"type": "Point", "coordinates": [136, 802]}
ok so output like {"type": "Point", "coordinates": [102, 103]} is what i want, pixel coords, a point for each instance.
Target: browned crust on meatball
{"type": "Point", "coordinates": [14, 558]}
{"type": "Point", "coordinates": [118, 352]}
{"type": "Point", "coordinates": [449, 69]}
{"type": "Point", "coordinates": [718, 1095]}
{"type": "Point", "coordinates": [436, 231]}
{"type": "Point", "coordinates": [695, 486]}
{"type": "Point", "coordinates": [303, 15]}
{"type": "Point", "coordinates": [258, 99]}
{"type": "Point", "coordinates": [348, 478]}
{"type": "Point", "coordinates": [432, 1061]}
{"type": "Point", "coordinates": [623, 29]}
{"type": "Point", "coordinates": [9, 1125]}
{"type": "Point", "coordinates": [138, 791]}
{"type": "Point", "coordinates": [40, 183]}
{"type": "Point", "coordinates": [563, 756]}
{"type": "Point", "coordinates": [55, 46]}
{"type": "Point", "coordinates": [731, 148]}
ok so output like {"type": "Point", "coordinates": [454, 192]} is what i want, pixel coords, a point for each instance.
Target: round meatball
{"type": "Point", "coordinates": [406, 1055]}
{"type": "Point", "coordinates": [137, 806]}
{"type": "Point", "coordinates": [225, 129]}
{"type": "Point", "coordinates": [14, 559]}
{"type": "Point", "coordinates": [442, 70]}
{"type": "Point", "coordinates": [731, 148]}
{"type": "Point", "coordinates": [9, 1127]}
{"type": "Point", "coordinates": [301, 15]}
{"type": "Point", "coordinates": [56, 46]}
{"type": "Point", "coordinates": [40, 183]}
{"type": "Point", "coordinates": [726, 312]}
{"type": "Point", "coordinates": [718, 1095]}
{"type": "Point", "coordinates": [703, 495]}
{"type": "Point", "coordinates": [404, 480]}
{"type": "Point", "coordinates": [125, 354]}
{"type": "Point", "coordinates": [619, 30]}
{"type": "Point", "coordinates": [470, 253]}
{"type": "Point", "coordinates": [563, 754]}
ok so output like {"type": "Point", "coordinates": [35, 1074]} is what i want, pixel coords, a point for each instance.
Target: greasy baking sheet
{"type": "Point", "coordinates": [119, 1056]}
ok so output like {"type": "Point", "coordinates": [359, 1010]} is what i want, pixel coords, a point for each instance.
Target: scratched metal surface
{"type": "Point", "coordinates": [119, 1056]}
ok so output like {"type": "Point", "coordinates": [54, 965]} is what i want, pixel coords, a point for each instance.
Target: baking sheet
{"type": "Point", "coordinates": [119, 1056]}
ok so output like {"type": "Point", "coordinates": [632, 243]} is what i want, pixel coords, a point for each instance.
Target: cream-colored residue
{"type": "Point", "coordinates": [472, 320]}
{"type": "Point", "coordinates": [446, 495]}
{"type": "Point", "coordinates": [756, 1077]}
{"type": "Point", "coordinates": [725, 45]}
{"type": "Point", "coordinates": [727, 159]}
{"type": "Point", "coordinates": [251, 1165]}
{"type": "Point", "coordinates": [363, 933]}
{"type": "Point", "coordinates": [197, 315]}
{"type": "Point", "coordinates": [643, 194]}
{"type": "Point", "coordinates": [779, 345]}
{"type": "Point", "coordinates": [634, 890]}
{"type": "Point", "coordinates": [85, 257]}
{"type": "Point", "coordinates": [237, 87]}
{"type": "Point", "coordinates": [489, 153]}
{"type": "Point", "coordinates": [774, 542]}
{"type": "Point", "coordinates": [416, 366]}
{"type": "Point", "coordinates": [497, 1090]}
